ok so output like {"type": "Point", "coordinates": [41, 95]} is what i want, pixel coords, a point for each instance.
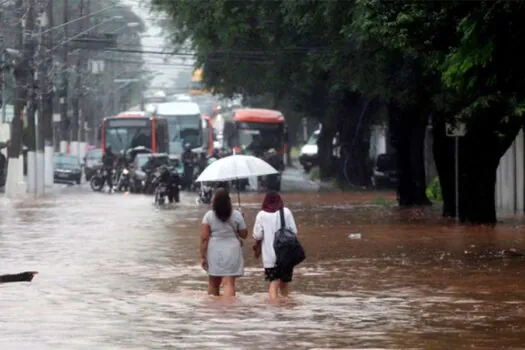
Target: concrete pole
{"type": "Point", "coordinates": [47, 104]}
{"type": "Point", "coordinates": [64, 105]}
{"type": "Point", "coordinates": [32, 100]}
{"type": "Point", "coordinates": [40, 120]}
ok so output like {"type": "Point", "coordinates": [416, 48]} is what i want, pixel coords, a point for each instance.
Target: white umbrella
{"type": "Point", "coordinates": [236, 167]}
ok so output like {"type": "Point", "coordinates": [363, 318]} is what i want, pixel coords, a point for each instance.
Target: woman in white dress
{"type": "Point", "coordinates": [267, 223]}
{"type": "Point", "coordinates": [222, 231]}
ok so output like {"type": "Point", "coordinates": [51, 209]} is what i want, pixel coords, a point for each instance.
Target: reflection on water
{"type": "Point", "coordinates": [118, 273]}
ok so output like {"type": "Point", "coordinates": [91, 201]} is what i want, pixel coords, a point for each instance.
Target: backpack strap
{"type": "Point", "coordinates": [281, 213]}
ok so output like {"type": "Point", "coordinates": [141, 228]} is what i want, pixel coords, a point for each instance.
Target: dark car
{"type": "Point", "coordinates": [92, 162]}
{"type": "Point", "coordinates": [67, 169]}
{"type": "Point", "coordinates": [385, 173]}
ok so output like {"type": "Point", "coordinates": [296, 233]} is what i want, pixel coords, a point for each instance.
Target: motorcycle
{"type": "Point", "coordinates": [99, 179]}
{"type": "Point", "coordinates": [137, 181]}
{"type": "Point", "coordinates": [124, 180]}
{"type": "Point", "coordinates": [168, 183]}
{"type": "Point", "coordinates": [205, 189]}
{"type": "Point", "coordinates": [205, 194]}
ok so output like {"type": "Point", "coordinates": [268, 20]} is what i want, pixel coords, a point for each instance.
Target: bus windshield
{"type": "Point", "coordinates": [257, 138]}
{"type": "Point", "coordinates": [184, 129]}
{"type": "Point", "coordinates": [122, 134]}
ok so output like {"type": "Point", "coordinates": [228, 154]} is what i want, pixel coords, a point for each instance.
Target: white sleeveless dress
{"type": "Point", "coordinates": [224, 248]}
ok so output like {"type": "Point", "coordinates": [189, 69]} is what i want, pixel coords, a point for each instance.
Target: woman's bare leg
{"type": "Point", "coordinates": [214, 285]}
{"type": "Point", "coordinates": [283, 289]}
{"type": "Point", "coordinates": [273, 290]}
{"type": "Point", "coordinates": [229, 286]}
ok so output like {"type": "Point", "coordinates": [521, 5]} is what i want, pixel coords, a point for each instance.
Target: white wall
{"type": "Point", "coordinates": [510, 177]}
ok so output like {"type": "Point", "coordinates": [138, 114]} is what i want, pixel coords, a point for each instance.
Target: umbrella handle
{"type": "Point", "coordinates": [238, 194]}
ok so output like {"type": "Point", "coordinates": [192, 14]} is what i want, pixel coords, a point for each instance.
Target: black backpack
{"type": "Point", "coordinates": [288, 251]}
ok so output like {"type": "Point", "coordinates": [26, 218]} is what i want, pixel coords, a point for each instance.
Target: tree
{"type": "Point", "coordinates": [467, 45]}
{"type": "Point", "coordinates": [335, 72]}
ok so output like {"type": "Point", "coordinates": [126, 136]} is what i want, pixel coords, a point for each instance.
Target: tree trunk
{"type": "Point", "coordinates": [408, 127]}
{"type": "Point", "coordinates": [443, 151]}
{"type": "Point", "coordinates": [479, 153]}
{"type": "Point", "coordinates": [354, 136]}
{"type": "Point", "coordinates": [324, 153]}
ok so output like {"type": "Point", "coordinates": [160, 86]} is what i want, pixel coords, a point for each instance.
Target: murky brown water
{"type": "Point", "coordinates": [118, 273]}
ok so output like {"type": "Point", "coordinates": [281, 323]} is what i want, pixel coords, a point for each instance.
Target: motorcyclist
{"type": "Point", "coordinates": [108, 163]}
{"type": "Point", "coordinates": [216, 153]}
{"type": "Point", "coordinates": [170, 179]}
{"type": "Point", "coordinates": [189, 166]}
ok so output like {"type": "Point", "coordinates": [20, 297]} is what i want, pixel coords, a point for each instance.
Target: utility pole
{"type": "Point", "coordinates": [3, 67]}
{"type": "Point", "coordinates": [64, 120]}
{"type": "Point", "coordinates": [83, 106]}
{"type": "Point", "coordinates": [15, 168]}
{"type": "Point", "coordinates": [76, 94]}
{"type": "Point", "coordinates": [30, 135]}
{"type": "Point", "coordinates": [47, 100]}
{"type": "Point", "coordinates": [42, 69]}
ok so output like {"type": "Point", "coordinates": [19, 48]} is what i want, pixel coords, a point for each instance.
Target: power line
{"type": "Point", "coordinates": [78, 19]}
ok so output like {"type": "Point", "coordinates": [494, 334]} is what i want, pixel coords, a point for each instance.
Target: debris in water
{"type": "Point", "coordinates": [355, 236]}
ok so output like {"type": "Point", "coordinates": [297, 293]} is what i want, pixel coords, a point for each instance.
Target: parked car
{"type": "Point", "coordinates": [385, 173]}
{"type": "Point", "coordinates": [92, 162]}
{"type": "Point", "coordinates": [67, 169]}
{"type": "Point", "coordinates": [308, 155]}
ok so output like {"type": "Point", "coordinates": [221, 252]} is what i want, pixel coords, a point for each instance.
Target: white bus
{"type": "Point", "coordinates": [184, 123]}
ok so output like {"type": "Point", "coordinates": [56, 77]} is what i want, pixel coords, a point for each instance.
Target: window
{"type": "Point", "coordinates": [94, 154]}
{"type": "Point", "coordinates": [184, 129]}
{"type": "Point", "coordinates": [258, 137]}
{"type": "Point", "coordinates": [67, 161]}
{"type": "Point", "coordinates": [128, 137]}
{"type": "Point", "coordinates": [313, 138]}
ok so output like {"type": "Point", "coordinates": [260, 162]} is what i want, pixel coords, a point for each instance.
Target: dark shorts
{"type": "Point", "coordinates": [276, 273]}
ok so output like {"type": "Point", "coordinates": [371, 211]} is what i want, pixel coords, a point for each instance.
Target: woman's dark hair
{"type": "Point", "coordinates": [272, 202]}
{"type": "Point", "coordinates": [222, 204]}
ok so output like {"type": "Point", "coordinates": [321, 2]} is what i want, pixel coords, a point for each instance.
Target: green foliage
{"type": "Point", "coordinates": [434, 190]}
{"type": "Point", "coordinates": [449, 56]}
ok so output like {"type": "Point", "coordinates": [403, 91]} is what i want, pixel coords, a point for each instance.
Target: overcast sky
{"type": "Point", "coordinates": [154, 41]}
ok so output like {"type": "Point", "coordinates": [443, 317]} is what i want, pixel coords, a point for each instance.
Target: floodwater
{"type": "Point", "coordinates": [118, 273]}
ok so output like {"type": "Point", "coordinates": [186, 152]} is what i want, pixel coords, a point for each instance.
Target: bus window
{"type": "Point", "coordinates": [256, 138]}
{"type": "Point", "coordinates": [184, 129]}
{"type": "Point", "coordinates": [121, 138]}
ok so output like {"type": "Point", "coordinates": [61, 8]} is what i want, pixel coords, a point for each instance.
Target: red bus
{"type": "Point", "coordinates": [255, 131]}
{"type": "Point", "coordinates": [259, 130]}
{"type": "Point", "coordinates": [132, 129]}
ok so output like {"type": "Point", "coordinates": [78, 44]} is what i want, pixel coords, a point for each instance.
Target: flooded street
{"type": "Point", "coordinates": [118, 273]}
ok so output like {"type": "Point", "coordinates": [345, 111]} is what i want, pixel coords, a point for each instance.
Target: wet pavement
{"type": "Point", "coordinates": [116, 272]}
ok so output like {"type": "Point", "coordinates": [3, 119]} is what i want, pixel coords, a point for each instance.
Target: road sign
{"type": "Point", "coordinates": [96, 41]}
{"type": "Point", "coordinates": [455, 129]}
